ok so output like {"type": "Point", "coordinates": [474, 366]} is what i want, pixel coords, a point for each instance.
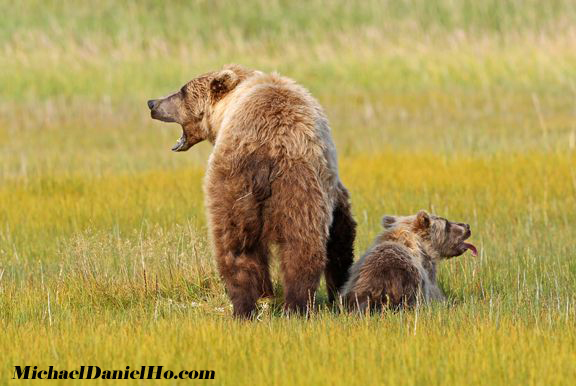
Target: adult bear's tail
{"type": "Point", "coordinates": [340, 246]}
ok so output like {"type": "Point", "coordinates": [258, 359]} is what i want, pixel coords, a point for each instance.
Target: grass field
{"type": "Point", "coordinates": [464, 108]}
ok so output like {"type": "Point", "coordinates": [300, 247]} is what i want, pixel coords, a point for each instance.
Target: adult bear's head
{"type": "Point", "coordinates": [193, 104]}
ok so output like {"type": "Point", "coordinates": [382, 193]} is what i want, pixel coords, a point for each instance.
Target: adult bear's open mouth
{"type": "Point", "coordinates": [181, 143]}
{"type": "Point", "coordinates": [189, 138]}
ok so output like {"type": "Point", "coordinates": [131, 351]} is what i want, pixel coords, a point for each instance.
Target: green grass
{"type": "Point", "coordinates": [464, 108]}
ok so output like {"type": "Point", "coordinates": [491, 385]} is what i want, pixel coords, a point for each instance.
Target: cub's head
{"type": "Point", "coordinates": [191, 105]}
{"type": "Point", "coordinates": [445, 238]}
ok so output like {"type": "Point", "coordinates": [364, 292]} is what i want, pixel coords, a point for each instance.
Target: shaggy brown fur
{"type": "Point", "coordinates": [401, 265]}
{"type": "Point", "coordinates": [272, 178]}
{"type": "Point", "coordinates": [340, 246]}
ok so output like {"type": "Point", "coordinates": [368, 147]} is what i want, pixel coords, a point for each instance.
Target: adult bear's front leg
{"type": "Point", "coordinates": [340, 246]}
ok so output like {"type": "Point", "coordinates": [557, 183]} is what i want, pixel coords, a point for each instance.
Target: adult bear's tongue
{"type": "Point", "coordinates": [472, 248]}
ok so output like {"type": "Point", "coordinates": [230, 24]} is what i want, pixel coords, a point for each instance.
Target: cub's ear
{"type": "Point", "coordinates": [222, 83]}
{"type": "Point", "coordinates": [388, 221]}
{"type": "Point", "coordinates": [422, 220]}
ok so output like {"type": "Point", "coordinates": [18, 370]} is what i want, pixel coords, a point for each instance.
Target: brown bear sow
{"type": "Point", "coordinates": [272, 178]}
{"type": "Point", "coordinates": [401, 265]}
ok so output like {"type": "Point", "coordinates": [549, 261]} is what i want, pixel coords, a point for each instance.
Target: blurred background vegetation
{"type": "Point", "coordinates": [445, 76]}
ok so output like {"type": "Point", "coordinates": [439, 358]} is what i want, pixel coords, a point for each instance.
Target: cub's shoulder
{"type": "Point", "coordinates": [387, 256]}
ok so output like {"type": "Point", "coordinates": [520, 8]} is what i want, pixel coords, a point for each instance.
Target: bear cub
{"type": "Point", "coordinates": [400, 267]}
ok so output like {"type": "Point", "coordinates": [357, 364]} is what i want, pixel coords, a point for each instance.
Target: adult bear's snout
{"type": "Point", "coordinates": [152, 103]}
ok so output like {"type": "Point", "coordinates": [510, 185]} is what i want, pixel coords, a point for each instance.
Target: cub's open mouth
{"type": "Point", "coordinates": [464, 246]}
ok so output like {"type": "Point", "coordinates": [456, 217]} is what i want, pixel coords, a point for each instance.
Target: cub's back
{"type": "Point", "coordinates": [384, 275]}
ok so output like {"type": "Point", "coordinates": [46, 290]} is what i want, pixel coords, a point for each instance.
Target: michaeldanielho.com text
{"type": "Point", "coordinates": [95, 372]}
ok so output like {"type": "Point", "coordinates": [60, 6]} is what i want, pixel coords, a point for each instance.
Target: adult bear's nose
{"type": "Point", "coordinates": [152, 103]}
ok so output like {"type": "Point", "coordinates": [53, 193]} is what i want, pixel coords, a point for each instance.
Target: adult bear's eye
{"type": "Point", "coordinates": [183, 91]}
{"type": "Point", "coordinates": [447, 228]}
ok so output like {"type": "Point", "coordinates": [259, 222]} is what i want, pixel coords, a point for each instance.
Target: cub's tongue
{"type": "Point", "coordinates": [472, 248]}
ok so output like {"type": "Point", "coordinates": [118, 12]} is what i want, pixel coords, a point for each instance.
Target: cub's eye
{"type": "Point", "coordinates": [183, 91]}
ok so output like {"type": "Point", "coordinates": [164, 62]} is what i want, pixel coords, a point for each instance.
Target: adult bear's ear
{"type": "Point", "coordinates": [422, 220]}
{"type": "Point", "coordinates": [222, 83]}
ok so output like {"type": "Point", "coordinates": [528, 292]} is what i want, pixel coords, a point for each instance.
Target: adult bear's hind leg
{"type": "Point", "coordinates": [246, 278]}
{"type": "Point", "coordinates": [235, 206]}
{"type": "Point", "coordinates": [301, 217]}
{"type": "Point", "coordinates": [266, 287]}
{"type": "Point", "coordinates": [302, 266]}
